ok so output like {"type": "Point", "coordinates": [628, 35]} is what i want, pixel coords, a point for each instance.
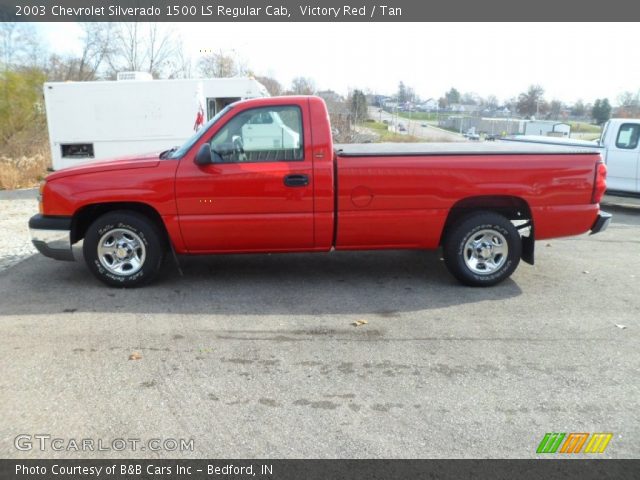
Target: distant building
{"type": "Point", "coordinates": [547, 128]}
{"type": "Point", "coordinates": [430, 105]}
{"type": "Point", "coordinates": [498, 112]}
{"type": "Point", "coordinates": [460, 108]}
{"type": "Point", "coordinates": [329, 96]}
{"type": "Point", "coordinates": [506, 126]}
{"type": "Point", "coordinates": [376, 100]}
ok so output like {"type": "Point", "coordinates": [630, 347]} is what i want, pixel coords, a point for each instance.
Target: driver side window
{"type": "Point", "coordinates": [268, 134]}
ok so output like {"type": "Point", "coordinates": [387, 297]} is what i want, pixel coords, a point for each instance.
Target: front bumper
{"type": "Point", "coordinates": [601, 223]}
{"type": "Point", "coordinates": [52, 236]}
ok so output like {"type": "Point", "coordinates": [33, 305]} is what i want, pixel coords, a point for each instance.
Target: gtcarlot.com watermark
{"type": "Point", "coordinates": [45, 442]}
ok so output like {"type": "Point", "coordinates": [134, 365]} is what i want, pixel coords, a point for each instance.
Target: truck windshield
{"type": "Point", "coordinates": [180, 152]}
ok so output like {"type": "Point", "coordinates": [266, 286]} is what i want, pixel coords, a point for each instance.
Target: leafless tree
{"type": "Point", "coordinates": [303, 86]}
{"type": "Point", "coordinates": [180, 64]}
{"type": "Point", "coordinates": [20, 46]}
{"type": "Point", "coordinates": [145, 47]}
{"type": "Point", "coordinates": [492, 101]}
{"type": "Point", "coordinates": [221, 64]}
{"type": "Point", "coordinates": [271, 84]}
{"type": "Point", "coordinates": [96, 47]}
{"type": "Point", "coordinates": [629, 103]}
{"type": "Point", "coordinates": [162, 46]}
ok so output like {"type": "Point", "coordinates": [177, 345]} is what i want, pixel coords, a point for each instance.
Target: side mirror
{"type": "Point", "coordinates": [203, 157]}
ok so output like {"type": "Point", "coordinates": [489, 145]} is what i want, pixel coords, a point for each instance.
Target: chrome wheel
{"type": "Point", "coordinates": [121, 252]}
{"type": "Point", "coordinates": [485, 252]}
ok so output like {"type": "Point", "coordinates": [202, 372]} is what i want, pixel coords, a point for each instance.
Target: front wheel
{"type": "Point", "coordinates": [123, 249]}
{"type": "Point", "coordinates": [482, 249]}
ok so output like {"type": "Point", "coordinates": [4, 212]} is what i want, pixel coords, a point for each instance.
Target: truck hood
{"type": "Point", "coordinates": [125, 163]}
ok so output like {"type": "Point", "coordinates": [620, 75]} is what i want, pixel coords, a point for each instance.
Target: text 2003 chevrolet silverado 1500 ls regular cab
{"type": "Point", "coordinates": [264, 176]}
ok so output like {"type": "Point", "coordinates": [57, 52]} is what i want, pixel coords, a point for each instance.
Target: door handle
{"type": "Point", "coordinates": [296, 180]}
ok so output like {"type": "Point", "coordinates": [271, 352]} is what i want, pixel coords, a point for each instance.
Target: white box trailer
{"type": "Point", "coordinates": [91, 121]}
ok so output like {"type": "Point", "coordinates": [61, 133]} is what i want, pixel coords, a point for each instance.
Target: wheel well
{"type": "Point", "coordinates": [513, 208]}
{"type": "Point", "coordinates": [87, 214]}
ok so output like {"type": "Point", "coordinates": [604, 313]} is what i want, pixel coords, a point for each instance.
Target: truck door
{"type": "Point", "coordinates": [257, 195]}
{"type": "Point", "coordinates": [623, 159]}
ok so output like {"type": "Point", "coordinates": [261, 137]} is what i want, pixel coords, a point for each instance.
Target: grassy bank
{"type": "Point", "coordinates": [583, 127]}
{"type": "Point", "coordinates": [386, 136]}
{"type": "Point", "coordinates": [23, 172]}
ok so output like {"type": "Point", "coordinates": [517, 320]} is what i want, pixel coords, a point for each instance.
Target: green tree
{"type": "Point", "coordinates": [22, 120]}
{"type": "Point", "coordinates": [531, 102]}
{"type": "Point", "coordinates": [358, 106]}
{"type": "Point", "coordinates": [452, 96]}
{"type": "Point", "coordinates": [470, 98]}
{"type": "Point", "coordinates": [402, 93]}
{"type": "Point", "coordinates": [578, 109]}
{"type": "Point", "coordinates": [555, 109]}
{"type": "Point", "coordinates": [601, 111]}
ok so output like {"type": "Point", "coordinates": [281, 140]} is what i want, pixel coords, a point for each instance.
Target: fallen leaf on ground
{"type": "Point", "coordinates": [135, 356]}
{"type": "Point", "coordinates": [621, 326]}
{"type": "Point", "coordinates": [585, 271]}
{"type": "Point", "coordinates": [358, 323]}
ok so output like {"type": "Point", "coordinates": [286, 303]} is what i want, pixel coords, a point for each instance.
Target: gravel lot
{"type": "Point", "coordinates": [15, 209]}
{"type": "Point", "coordinates": [256, 356]}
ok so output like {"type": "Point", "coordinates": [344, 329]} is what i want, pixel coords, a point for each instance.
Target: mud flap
{"type": "Point", "coordinates": [528, 247]}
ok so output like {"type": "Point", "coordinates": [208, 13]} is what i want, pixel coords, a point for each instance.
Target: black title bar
{"type": "Point", "coordinates": [316, 10]}
{"type": "Point", "coordinates": [319, 469]}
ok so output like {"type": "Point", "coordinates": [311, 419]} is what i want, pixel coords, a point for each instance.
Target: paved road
{"type": "Point", "coordinates": [16, 206]}
{"type": "Point", "coordinates": [416, 128]}
{"type": "Point", "coordinates": [626, 202]}
{"type": "Point", "coordinates": [256, 356]}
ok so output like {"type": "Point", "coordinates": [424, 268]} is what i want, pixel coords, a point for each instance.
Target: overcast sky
{"type": "Point", "coordinates": [570, 60]}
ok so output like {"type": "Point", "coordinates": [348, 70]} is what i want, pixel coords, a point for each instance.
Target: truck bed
{"type": "Point", "coordinates": [457, 148]}
{"type": "Point", "coordinates": [399, 195]}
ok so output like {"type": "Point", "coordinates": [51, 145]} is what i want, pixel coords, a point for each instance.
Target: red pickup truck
{"type": "Point", "coordinates": [264, 176]}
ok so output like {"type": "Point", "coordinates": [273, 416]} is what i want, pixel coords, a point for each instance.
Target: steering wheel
{"type": "Point", "coordinates": [238, 147]}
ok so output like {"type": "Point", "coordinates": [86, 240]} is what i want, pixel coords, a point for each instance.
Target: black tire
{"type": "Point", "coordinates": [484, 265]}
{"type": "Point", "coordinates": [139, 258]}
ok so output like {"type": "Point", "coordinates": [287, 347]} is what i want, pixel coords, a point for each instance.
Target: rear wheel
{"type": "Point", "coordinates": [482, 249]}
{"type": "Point", "coordinates": [123, 249]}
